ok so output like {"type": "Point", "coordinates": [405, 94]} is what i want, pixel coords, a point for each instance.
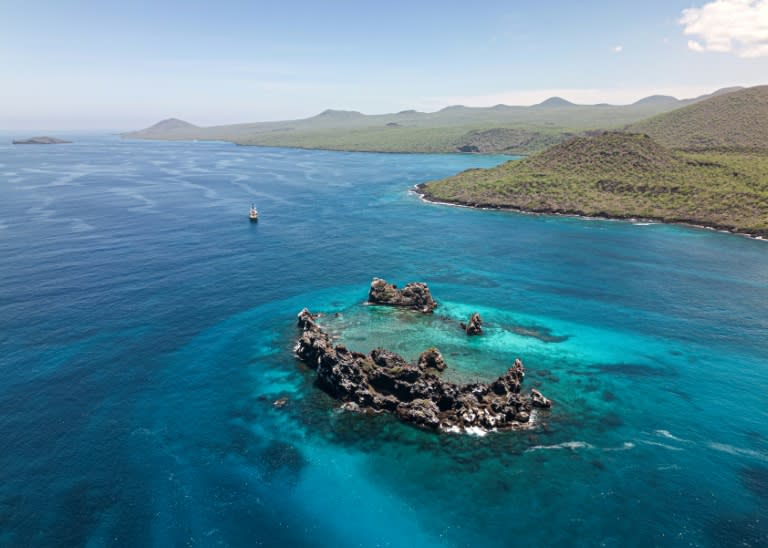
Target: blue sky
{"type": "Point", "coordinates": [124, 65]}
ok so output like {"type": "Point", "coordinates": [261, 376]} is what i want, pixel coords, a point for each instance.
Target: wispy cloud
{"type": "Point", "coordinates": [618, 49]}
{"type": "Point", "coordinates": [728, 26]}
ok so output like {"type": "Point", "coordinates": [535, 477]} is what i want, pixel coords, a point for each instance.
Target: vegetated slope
{"type": "Point", "coordinates": [502, 128]}
{"type": "Point", "coordinates": [736, 121]}
{"type": "Point", "coordinates": [169, 126]}
{"type": "Point", "coordinates": [622, 175]}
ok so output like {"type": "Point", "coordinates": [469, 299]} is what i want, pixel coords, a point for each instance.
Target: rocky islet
{"type": "Point", "coordinates": [383, 381]}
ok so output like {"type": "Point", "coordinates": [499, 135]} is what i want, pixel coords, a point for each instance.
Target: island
{"type": "Point", "coordinates": [385, 382]}
{"type": "Point", "coordinates": [506, 129]}
{"type": "Point", "coordinates": [705, 165]}
{"type": "Point", "coordinates": [40, 141]}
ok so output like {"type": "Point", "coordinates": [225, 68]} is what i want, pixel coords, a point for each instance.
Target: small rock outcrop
{"type": "Point", "coordinates": [474, 326]}
{"type": "Point", "coordinates": [383, 381]}
{"type": "Point", "coordinates": [431, 358]}
{"type": "Point", "coordinates": [414, 295]}
{"type": "Point", "coordinates": [518, 366]}
{"type": "Point", "coordinates": [538, 399]}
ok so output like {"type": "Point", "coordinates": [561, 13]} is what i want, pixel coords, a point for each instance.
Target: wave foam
{"type": "Point", "coordinates": [669, 436]}
{"type": "Point", "coordinates": [664, 445]}
{"type": "Point", "coordinates": [627, 445]}
{"type": "Point", "coordinates": [476, 431]}
{"type": "Point", "coordinates": [731, 450]}
{"type": "Point", "coordinates": [572, 445]}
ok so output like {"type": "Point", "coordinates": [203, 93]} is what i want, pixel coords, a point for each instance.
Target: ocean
{"type": "Point", "coordinates": [147, 328]}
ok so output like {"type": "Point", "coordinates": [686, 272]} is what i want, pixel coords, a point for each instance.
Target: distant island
{"type": "Point", "coordinates": [40, 141]}
{"type": "Point", "coordinates": [705, 164]}
{"type": "Point", "coordinates": [498, 129]}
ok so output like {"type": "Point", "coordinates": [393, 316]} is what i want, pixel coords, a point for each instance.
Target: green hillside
{"type": "Point", "coordinates": [736, 121]}
{"type": "Point", "coordinates": [622, 175]}
{"type": "Point", "coordinates": [502, 128]}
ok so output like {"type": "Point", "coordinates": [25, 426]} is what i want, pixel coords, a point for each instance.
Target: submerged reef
{"type": "Point", "coordinates": [383, 381]}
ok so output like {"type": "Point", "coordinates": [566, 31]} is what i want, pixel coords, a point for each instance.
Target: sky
{"type": "Point", "coordinates": [125, 65]}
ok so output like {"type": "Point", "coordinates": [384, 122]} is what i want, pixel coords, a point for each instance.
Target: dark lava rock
{"type": "Point", "coordinates": [431, 358]}
{"type": "Point", "coordinates": [468, 148]}
{"type": "Point", "coordinates": [383, 381]}
{"type": "Point", "coordinates": [474, 326]}
{"type": "Point", "coordinates": [538, 399]}
{"type": "Point", "coordinates": [414, 295]}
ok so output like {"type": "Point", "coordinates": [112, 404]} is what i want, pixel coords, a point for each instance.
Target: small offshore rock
{"type": "Point", "coordinates": [538, 399]}
{"type": "Point", "coordinates": [415, 295]}
{"type": "Point", "coordinates": [519, 367]}
{"type": "Point", "coordinates": [305, 318]}
{"type": "Point", "coordinates": [474, 326]}
{"type": "Point", "coordinates": [431, 358]}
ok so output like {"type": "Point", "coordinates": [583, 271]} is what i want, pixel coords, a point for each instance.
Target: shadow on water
{"type": "Point", "coordinates": [748, 530]}
{"type": "Point", "coordinates": [282, 462]}
{"type": "Point", "coordinates": [544, 334]}
{"type": "Point", "coordinates": [633, 370]}
{"type": "Point", "coordinates": [755, 479]}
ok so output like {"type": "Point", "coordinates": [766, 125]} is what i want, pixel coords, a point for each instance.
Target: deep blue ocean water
{"type": "Point", "coordinates": [146, 328]}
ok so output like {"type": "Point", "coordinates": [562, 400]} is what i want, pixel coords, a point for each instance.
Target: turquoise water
{"type": "Point", "coordinates": [146, 327]}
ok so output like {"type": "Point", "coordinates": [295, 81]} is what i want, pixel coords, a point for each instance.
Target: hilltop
{"type": "Point", "coordinates": [622, 175]}
{"type": "Point", "coordinates": [498, 129]}
{"type": "Point", "coordinates": [734, 121]}
{"type": "Point", "coordinates": [555, 102]}
{"type": "Point", "coordinates": [168, 127]}
{"type": "Point", "coordinates": [657, 100]}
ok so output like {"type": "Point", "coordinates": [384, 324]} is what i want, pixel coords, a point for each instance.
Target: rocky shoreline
{"type": "Point", "coordinates": [383, 381]}
{"type": "Point", "coordinates": [421, 190]}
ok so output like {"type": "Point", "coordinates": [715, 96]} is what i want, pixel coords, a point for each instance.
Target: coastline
{"type": "Point", "coordinates": [296, 147]}
{"type": "Point", "coordinates": [420, 190]}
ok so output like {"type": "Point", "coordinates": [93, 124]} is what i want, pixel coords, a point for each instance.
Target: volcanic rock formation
{"type": "Point", "coordinates": [382, 381]}
{"type": "Point", "coordinates": [414, 295]}
{"type": "Point", "coordinates": [474, 326]}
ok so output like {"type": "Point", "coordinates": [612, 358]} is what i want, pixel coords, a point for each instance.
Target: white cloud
{"type": "Point", "coordinates": [618, 49]}
{"type": "Point", "coordinates": [728, 26]}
